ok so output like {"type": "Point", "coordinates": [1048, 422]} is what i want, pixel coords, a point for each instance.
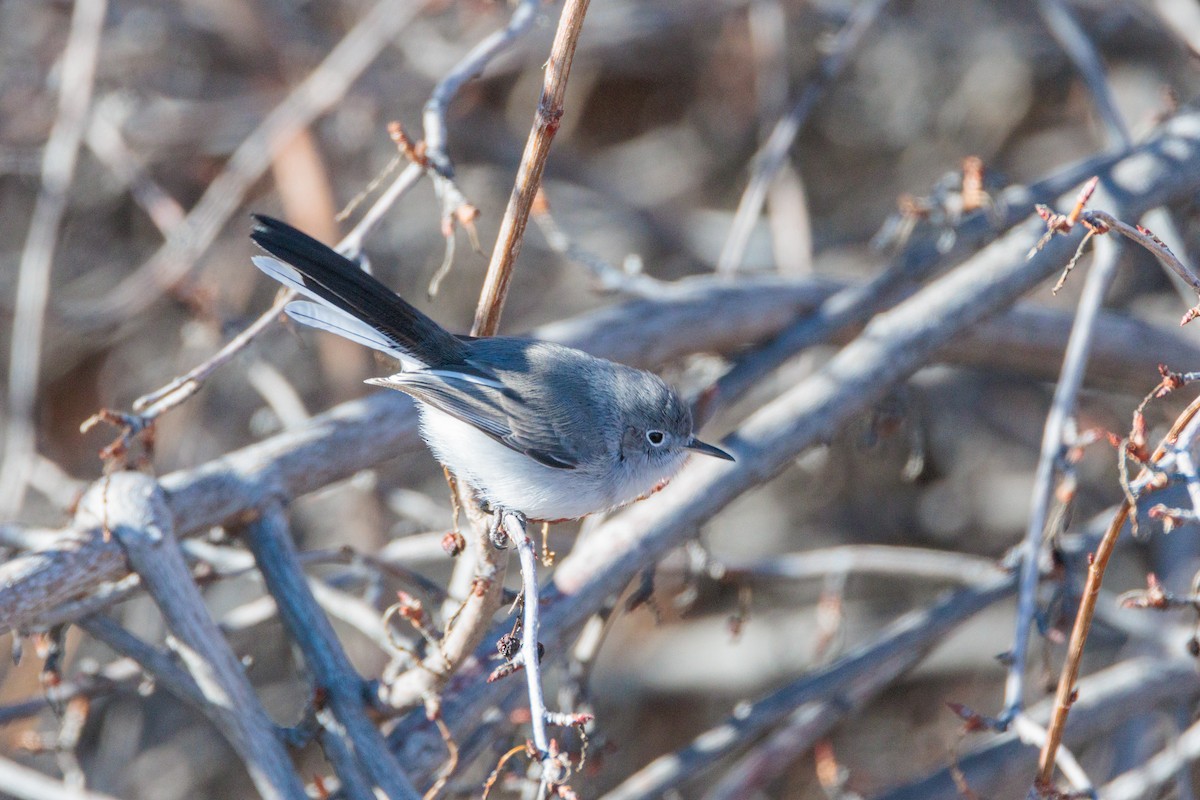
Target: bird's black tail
{"type": "Point", "coordinates": [338, 281]}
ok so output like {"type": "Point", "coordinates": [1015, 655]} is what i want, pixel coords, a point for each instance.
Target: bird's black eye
{"type": "Point", "coordinates": [655, 437]}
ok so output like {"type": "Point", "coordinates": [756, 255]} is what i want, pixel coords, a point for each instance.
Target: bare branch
{"type": "Point", "coordinates": [1106, 699]}
{"type": "Point", "coordinates": [1146, 781]}
{"type": "Point", "coordinates": [112, 677]}
{"type": "Point", "coordinates": [1064, 696]}
{"type": "Point", "coordinates": [896, 561]}
{"type": "Point", "coordinates": [606, 278]}
{"type": "Point", "coordinates": [1083, 55]}
{"type": "Point", "coordinates": [856, 304]}
{"type": "Point", "coordinates": [514, 526]}
{"type": "Point", "coordinates": [336, 744]}
{"type": "Point", "coordinates": [471, 66]}
{"type": "Point", "coordinates": [771, 157]}
{"type": "Point", "coordinates": [164, 669]}
{"type": "Point", "coordinates": [29, 784]}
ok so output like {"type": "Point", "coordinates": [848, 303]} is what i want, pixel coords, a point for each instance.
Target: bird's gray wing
{"type": "Point", "coordinates": [502, 415]}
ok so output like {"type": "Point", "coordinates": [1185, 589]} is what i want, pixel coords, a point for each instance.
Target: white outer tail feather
{"type": "Point", "coordinates": [325, 316]}
{"type": "Point", "coordinates": [334, 320]}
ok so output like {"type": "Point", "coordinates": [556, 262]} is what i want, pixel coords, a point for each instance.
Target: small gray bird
{"type": "Point", "coordinates": [534, 427]}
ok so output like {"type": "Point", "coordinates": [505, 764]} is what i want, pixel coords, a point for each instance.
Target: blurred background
{"type": "Point", "coordinates": [667, 104]}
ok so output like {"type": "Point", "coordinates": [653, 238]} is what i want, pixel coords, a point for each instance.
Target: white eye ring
{"type": "Point", "coordinates": [655, 438]}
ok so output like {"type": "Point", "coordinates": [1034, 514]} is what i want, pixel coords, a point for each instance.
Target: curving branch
{"type": "Point", "coordinates": [1054, 440]}
{"type": "Point", "coordinates": [471, 66]}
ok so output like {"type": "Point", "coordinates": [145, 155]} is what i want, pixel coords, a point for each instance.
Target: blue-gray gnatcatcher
{"type": "Point", "coordinates": [531, 426]}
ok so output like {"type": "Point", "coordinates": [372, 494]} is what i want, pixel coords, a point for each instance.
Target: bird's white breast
{"type": "Point", "coordinates": [512, 480]}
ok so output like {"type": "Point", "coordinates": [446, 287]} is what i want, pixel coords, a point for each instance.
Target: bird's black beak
{"type": "Point", "coordinates": [708, 449]}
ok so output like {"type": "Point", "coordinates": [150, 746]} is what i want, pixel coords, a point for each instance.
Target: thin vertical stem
{"type": "Point", "coordinates": [529, 175]}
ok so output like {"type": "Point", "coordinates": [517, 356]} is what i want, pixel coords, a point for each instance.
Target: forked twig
{"type": "Point", "coordinates": [1099, 223]}
{"type": "Point", "coordinates": [150, 406]}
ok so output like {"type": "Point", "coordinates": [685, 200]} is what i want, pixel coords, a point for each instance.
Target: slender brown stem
{"type": "Point", "coordinates": [529, 174]}
{"type": "Point", "coordinates": [1087, 609]}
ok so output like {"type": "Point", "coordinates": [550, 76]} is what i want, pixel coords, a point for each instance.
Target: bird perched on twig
{"type": "Point", "coordinates": [533, 427]}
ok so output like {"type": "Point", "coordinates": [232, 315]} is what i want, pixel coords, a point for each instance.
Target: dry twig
{"type": "Point", "coordinates": [323, 87]}
{"type": "Point", "coordinates": [1066, 692]}
{"type": "Point", "coordinates": [37, 257]}
{"type": "Point", "coordinates": [771, 156]}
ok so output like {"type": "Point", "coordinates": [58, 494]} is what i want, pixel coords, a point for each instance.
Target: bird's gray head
{"type": "Point", "coordinates": [658, 425]}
